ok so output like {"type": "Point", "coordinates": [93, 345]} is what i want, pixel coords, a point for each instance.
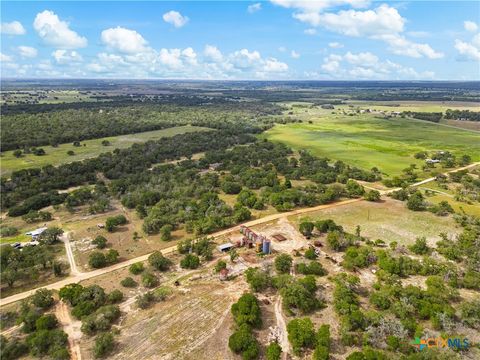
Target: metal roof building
{"type": "Point", "coordinates": [36, 232]}
{"type": "Point", "coordinates": [225, 247]}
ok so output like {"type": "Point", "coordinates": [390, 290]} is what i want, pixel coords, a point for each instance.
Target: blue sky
{"type": "Point", "coordinates": [277, 39]}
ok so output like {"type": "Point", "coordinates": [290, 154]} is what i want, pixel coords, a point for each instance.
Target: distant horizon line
{"type": "Point", "coordinates": [240, 80]}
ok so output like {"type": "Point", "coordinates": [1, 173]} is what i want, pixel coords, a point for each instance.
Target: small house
{"type": "Point", "coordinates": [36, 233]}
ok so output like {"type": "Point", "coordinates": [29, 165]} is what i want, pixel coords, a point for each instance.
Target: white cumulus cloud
{"type": "Point", "coordinates": [124, 40]}
{"type": "Point", "coordinates": [383, 23]}
{"type": "Point", "coordinates": [335, 45]}
{"type": "Point", "coordinates": [56, 32]}
{"type": "Point", "coordinates": [382, 20]}
{"type": "Point", "coordinates": [254, 8]}
{"type": "Point", "coordinates": [367, 66]}
{"type": "Point", "coordinates": [307, 6]}
{"type": "Point", "coordinates": [212, 53]}
{"type": "Point", "coordinates": [63, 56]}
{"type": "Point", "coordinates": [27, 51]}
{"type": "Point", "coordinates": [5, 58]}
{"type": "Point", "coordinates": [400, 45]}
{"type": "Point", "coordinates": [470, 26]}
{"type": "Point", "coordinates": [12, 28]}
{"type": "Point", "coordinates": [468, 51]}
{"type": "Point", "coordinates": [175, 18]}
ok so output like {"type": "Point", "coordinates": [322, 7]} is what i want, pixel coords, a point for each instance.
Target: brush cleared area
{"type": "Point", "coordinates": [388, 220]}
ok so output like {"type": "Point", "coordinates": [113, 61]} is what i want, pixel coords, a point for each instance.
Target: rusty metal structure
{"type": "Point", "coordinates": [252, 239]}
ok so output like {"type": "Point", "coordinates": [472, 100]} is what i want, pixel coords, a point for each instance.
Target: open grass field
{"type": "Point", "coordinates": [366, 141]}
{"type": "Point", "coordinates": [458, 206]}
{"type": "Point", "coordinates": [89, 148]}
{"type": "Point", "coordinates": [389, 220]}
{"type": "Point", "coordinates": [418, 106]}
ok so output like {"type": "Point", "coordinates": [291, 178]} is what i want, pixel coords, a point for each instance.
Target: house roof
{"type": "Point", "coordinates": [36, 232]}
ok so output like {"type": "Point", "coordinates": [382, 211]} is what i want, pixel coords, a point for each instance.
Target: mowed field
{"type": "Point", "coordinates": [89, 148]}
{"type": "Point", "coordinates": [366, 141]}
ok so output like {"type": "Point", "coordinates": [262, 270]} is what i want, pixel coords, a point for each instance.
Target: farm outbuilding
{"type": "Point", "coordinates": [36, 233]}
{"type": "Point", "coordinates": [225, 247]}
{"type": "Point", "coordinates": [279, 237]}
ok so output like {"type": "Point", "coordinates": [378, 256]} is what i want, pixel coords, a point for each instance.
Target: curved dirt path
{"type": "Point", "coordinates": [88, 275]}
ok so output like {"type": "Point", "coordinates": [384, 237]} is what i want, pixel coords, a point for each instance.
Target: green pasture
{"type": "Point", "coordinates": [417, 106]}
{"type": "Point", "coordinates": [89, 148]}
{"type": "Point", "coordinates": [365, 141]}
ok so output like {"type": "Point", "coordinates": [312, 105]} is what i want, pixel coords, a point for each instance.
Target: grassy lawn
{"type": "Point", "coordinates": [366, 141]}
{"type": "Point", "coordinates": [389, 220]}
{"type": "Point", "coordinates": [58, 155]}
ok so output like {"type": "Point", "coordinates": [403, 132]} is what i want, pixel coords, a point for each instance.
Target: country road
{"type": "Point", "coordinates": [79, 276]}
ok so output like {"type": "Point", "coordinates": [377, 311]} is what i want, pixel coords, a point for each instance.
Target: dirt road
{"type": "Point", "coordinates": [68, 249]}
{"type": "Point", "coordinates": [75, 278]}
{"type": "Point", "coordinates": [283, 338]}
{"type": "Point", "coordinates": [80, 276]}
{"type": "Point", "coordinates": [65, 320]}
{"type": "Point", "coordinates": [455, 170]}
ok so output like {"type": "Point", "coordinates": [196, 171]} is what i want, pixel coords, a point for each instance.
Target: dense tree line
{"type": "Point", "coordinates": [28, 263]}
{"type": "Point", "coordinates": [36, 183]}
{"type": "Point", "coordinates": [73, 124]}
{"type": "Point", "coordinates": [427, 116]}
{"type": "Point", "coordinates": [462, 115]}
{"type": "Point", "coordinates": [44, 337]}
{"type": "Point", "coordinates": [247, 315]}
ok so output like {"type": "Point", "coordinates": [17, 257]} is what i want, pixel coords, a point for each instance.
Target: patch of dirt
{"type": "Point", "coordinates": [174, 328]}
{"type": "Point", "coordinates": [295, 240]}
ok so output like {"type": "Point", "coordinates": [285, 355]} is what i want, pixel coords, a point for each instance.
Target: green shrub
{"type": "Point", "coordinates": [104, 345]}
{"type": "Point", "coordinates": [190, 261]}
{"type": "Point", "coordinates": [149, 280]}
{"type": "Point", "coordinates": [128, 282]}
{"type": "Point", "coordinates": [136, 268]}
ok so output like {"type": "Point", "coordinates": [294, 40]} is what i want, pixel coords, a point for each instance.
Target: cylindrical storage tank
{"type": "Point", "coordinates": [266, 246]}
